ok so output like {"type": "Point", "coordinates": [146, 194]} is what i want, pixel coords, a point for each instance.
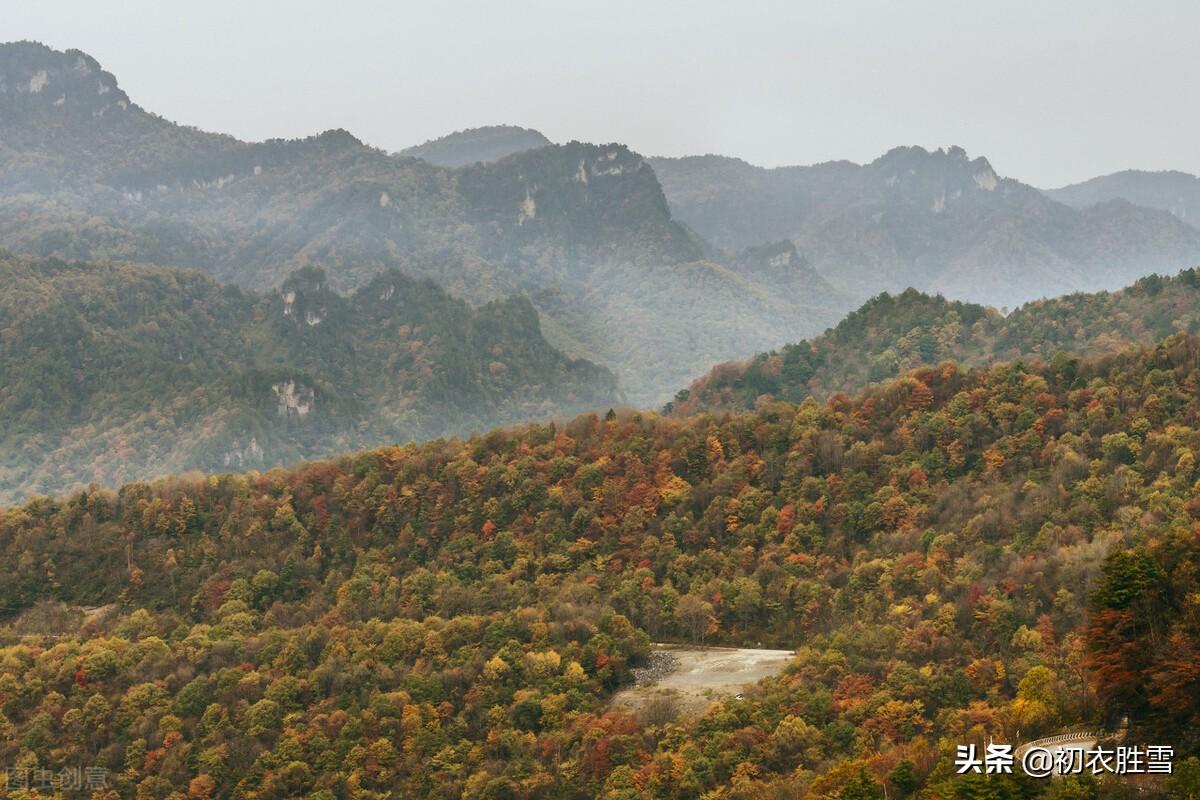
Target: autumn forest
{"type": "Point", "coordinates": [336, 473]}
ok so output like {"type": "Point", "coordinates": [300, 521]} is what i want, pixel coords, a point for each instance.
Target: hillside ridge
{"type": "Point", "coordinates": [120, 372]}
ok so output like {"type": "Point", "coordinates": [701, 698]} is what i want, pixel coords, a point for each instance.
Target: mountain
{"type": "Point", "coordinates": [779, 265]}
{"type": "Point", "coordinates": [1176, 192]}
{"type": "Point", "coordinates": [957, 555]}
{"type": "Point", "coordinates": [936, 221]}
{"type": "Point", "coordinates": [477, 145]}
{"type": "Point", "coordinates": [64, 121]}
{"type": "Point", "coordinates": [893, 334]}
{"type": "Point", "coordinates": [119, 372]}
{"type": "Point", "coordinates": [583, 230]}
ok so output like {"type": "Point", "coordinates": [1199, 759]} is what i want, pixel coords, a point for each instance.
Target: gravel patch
{"type": "Point", "coordinates": [661, 664]}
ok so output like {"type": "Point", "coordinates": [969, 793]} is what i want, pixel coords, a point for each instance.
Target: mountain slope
{"type": "Point", "coordinates": [891, 335]}
{"type": "Point", "coordinates": [118, 372]}
{"type": "Point", "coordinates": [1176, 192]}
{"type": "Point", "coordinates": [937, 221]}
{"type": "Point", "coordinates": [477, 145]}
{"type": "Point", "coordinates": [955, 556]}
{"type": "Point", "coordinates": [583, 230]}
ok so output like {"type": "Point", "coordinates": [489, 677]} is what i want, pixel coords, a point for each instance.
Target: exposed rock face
{"type": "Point", "coordinates": [294, 400]}
{"type": "Point", "coordinates": [773, 257]}
{"type": "Point", "coordinates": [528, 208]}
{"type": "Point", "coordinates": [244, 456]}
{"type": "Point", "coordinates": [306, 297]}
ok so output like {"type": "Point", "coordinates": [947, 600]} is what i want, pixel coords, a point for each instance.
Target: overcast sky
{"type": "Point", "coordinates": [1052, 91]}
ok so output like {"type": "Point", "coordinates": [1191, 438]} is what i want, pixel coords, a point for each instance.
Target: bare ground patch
{"type": "Point", "coordinates": [683, 681]}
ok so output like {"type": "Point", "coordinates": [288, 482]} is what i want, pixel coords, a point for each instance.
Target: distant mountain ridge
{"type": "Point", "coordinates": [938, 221]}
{"type": "Point", "coordinates": [120, 372]}
{"type": "Point", "coordinates": [477, 145]}
{"type": "Point", "coordinates": [656, 268]}
{"type": "Point", "coordinates": [583, 230]}
{"type": "Point", "coordinates": [1173, 191]}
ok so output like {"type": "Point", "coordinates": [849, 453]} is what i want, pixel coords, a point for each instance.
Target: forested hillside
{"type": "Point", "coordinates": [118, 372]}
{"type": "Point", "coordinates": [893, 334]}
{"type": "Point", "coordinates": [449, 619]}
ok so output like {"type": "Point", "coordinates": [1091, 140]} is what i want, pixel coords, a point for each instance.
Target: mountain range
{"type": "Point", "coordinates": [1173, 191]}
{"type": "Point", "coordinates": [966, 524]}
{"type": "Point", "coordinates": [582, 230]}
{"type": "Point", "coordinates": [936, 221]}
{"type": "Point", "coordinates": [654, 269]}
{"type": "Point", "coordinates": [646, 266]}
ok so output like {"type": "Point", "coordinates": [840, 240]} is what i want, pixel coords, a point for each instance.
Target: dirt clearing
{"type": "Point", "coordinates": [685, 680]}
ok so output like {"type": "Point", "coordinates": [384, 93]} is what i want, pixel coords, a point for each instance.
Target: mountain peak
{"type": "Point", "coordinates": [336, 139]}
{"type": "Point", "coordinates": [477, 145]}
{"type": "Point", "coordinates": [915, 156]}
{"type": "Point", "coordinates": [71, 83]}
{"type": "Point", "coordinates": [945, 165]}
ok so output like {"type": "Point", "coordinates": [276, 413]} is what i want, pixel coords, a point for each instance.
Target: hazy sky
{"type": "Point", "coordinates": [1051, 91]}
